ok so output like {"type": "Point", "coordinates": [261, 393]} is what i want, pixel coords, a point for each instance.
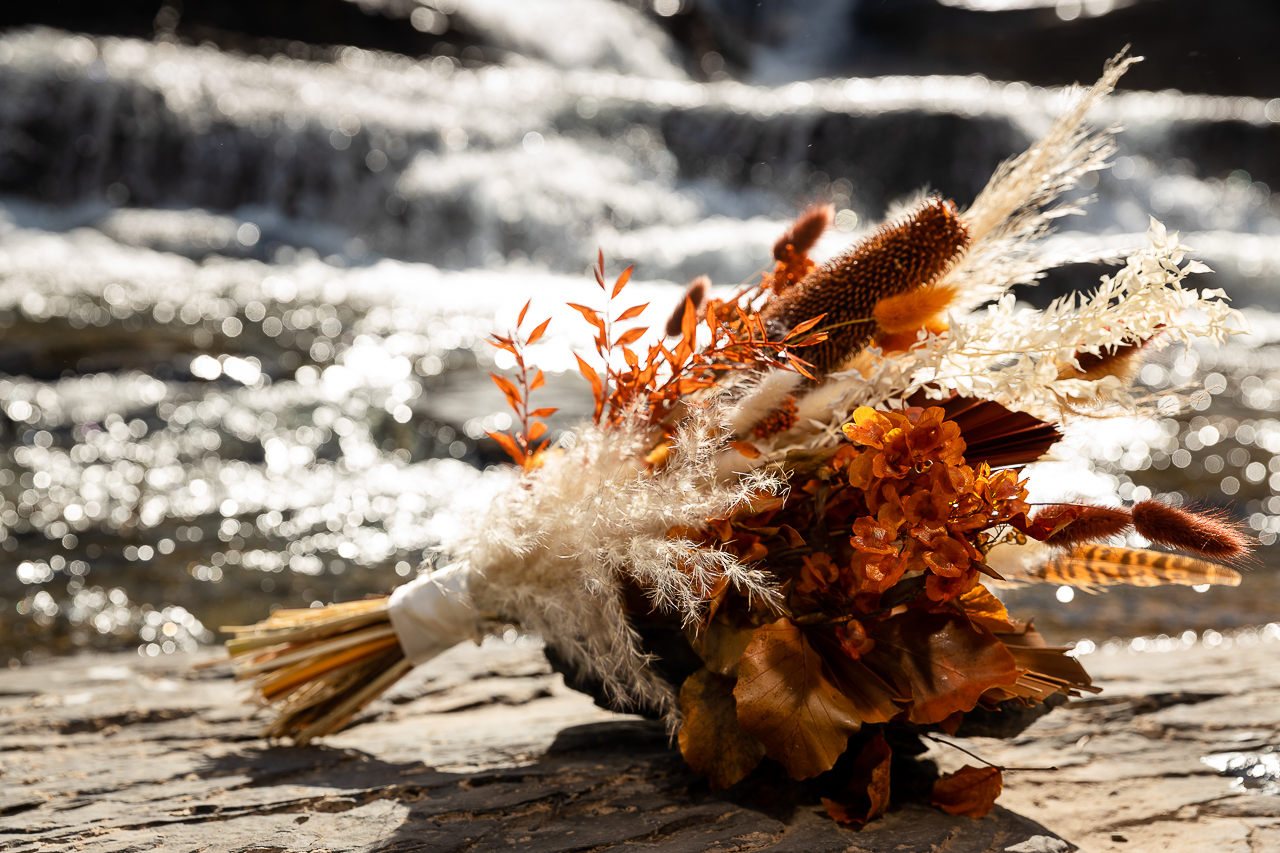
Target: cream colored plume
{"type": "Point", "coordinates": [554, 552]}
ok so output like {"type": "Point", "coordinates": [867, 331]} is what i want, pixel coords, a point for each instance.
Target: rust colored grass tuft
{"type": "Point", "coordinates": [696, 293]}
{"type": "Point", "coordinates": [805, 231]}
{"type": "Point", "coordinates": [1206, 533]}
{"type": "Point", "coordinates": [1093, 523]}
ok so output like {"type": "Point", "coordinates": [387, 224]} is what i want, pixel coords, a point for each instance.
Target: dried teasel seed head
{"type": "Point", "coordinates": [805, 231]}
{"type": "Point", "coordinates": [1093, 523]}
{"type": "Point", "coordinates": [778, 421]}
{"type": "Point", "coordinates": [902, 255]}
{"type": "Point", "coordinates": [696, 293]}
{"type": "Point", "coordinates": [1204, 533]}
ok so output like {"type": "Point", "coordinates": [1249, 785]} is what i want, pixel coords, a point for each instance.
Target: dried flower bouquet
{"type": "Point", "coordinates": [805, 489]}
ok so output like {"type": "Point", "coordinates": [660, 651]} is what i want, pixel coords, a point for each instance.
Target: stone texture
{"type": "Point", "coordinates": [485, 749]}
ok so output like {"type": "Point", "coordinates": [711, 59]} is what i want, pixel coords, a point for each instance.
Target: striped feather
{"type": "Point", "coordinates": [1098, 565]}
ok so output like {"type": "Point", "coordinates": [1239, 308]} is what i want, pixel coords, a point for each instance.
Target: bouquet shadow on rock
{"type": "Point", "coordinates": [778, 529]}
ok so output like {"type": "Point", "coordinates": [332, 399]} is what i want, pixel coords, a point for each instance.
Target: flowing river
{"type": "Point", "coordinates": [244, 301]}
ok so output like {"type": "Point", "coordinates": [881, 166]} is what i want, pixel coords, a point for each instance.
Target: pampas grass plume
{"type": "Point", "coordinates": [1204, 533]}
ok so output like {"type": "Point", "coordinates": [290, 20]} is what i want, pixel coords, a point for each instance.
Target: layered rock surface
{"type": "Point", "coordinates": [485, 749]}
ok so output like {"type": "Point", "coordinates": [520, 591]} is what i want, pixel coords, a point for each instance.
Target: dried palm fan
{"type": "Point", "coordinates": [774, 531]}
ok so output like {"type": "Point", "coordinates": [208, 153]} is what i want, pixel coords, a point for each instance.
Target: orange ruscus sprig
{"type": "Point", "coordinates": [524, 446]}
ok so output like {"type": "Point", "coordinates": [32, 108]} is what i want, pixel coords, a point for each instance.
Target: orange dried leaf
{"type": "Point", "coordinates": [969, 792]}
{"type": "Point", "coordinates": [508, 388]}
{"type": "Point", "coordinates": [623, 278]}
{"type": "Point", "coordinates": [786, 699]}
{"type": "Point", "coordinates": [947, 661]}
{"type": "Point", "coordinates": [630, 336]}
{"type": "Point", "coordinates": [523, 311]}
{"type": "Point", "coordinates": [721, 645]}
{"type": "Point", "coordinates": [985, 609]}
{"type": "Point", "coordinates": [802, 328]}
{"type": "Point", "coordinates": [866, 797]}
{"type": "Point", "coordinates": [632, 312]}
{"type": "Point", "coordinates": [599, 269]}
{"type": "Point", "coordinates": [503, 344]}
{"type": "Point", "coordinates": [746, 449]}
{"type": "Point", "coordinates": [537, 333]}
{"type": "Point", "coordinates": [508, 444]}
{"type": "Point", "coordinates": [689, 323]}
{"type": "Point", "coordinates": [538, 381]}
{"type": "Point", "coordinates": [536, 431]}
{"type": "Point", "coordinates": [591, 315]}
{"type": "Point", "coordinates": [544, 413]}
{"type": "Point", "coordinates": [711, 740]}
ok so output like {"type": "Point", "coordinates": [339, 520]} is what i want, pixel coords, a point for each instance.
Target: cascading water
{"type": "Point", "coordinates": [244, 301]}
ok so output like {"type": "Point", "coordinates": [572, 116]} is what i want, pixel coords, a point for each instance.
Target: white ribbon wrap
{"type": "Point", "coordinates": [433, 613]}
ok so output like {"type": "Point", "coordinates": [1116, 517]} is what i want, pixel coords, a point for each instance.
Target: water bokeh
{"type": "Point", "coordinates": [244, 302]}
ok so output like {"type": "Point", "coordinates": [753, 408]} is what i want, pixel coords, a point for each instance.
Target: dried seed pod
{"type": "Point", "coordinates": [902, 255]}
{"type": "Point", "coordinates": [1202, 532]}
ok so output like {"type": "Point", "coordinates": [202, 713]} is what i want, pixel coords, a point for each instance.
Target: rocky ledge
{"type": "Point", "coordinates": [485, 749]}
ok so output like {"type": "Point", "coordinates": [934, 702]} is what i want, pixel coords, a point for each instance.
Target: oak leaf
{"type": "Point", "coordinates": [787, 699]}
{"type": "Point", "coordinates": [969, 792]}
{"type": "Point", "coordinates": [948, 662]}
{"type": "Point", "coordinates": [710, 739]}
{"type": "Point", "coordinates": [866, 797]}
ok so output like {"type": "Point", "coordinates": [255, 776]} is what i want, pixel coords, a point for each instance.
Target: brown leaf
{"type": "Point", "coordinates": [538, 332]}
{"type": "Point", "coordinates": [985, 609]}
{"type": "Point", "coordinates": [947, 661]}
{"type": "Point", "coordinates": [745, 448]}
{"type": "Point", "coordinates": [710, 739]}
{"type": "Point", "coordinates": [786, 699]}
{"type": "Point", "coordinates": [878, 696]}
{"type": "Point", "coordinates": [632, 312]}
{"type": "Point", "coordinates": [720, 645]}
{"type": "Point", "coordinates": [867, 795]}
{"type": "Point", "coordinates": [969, 792]}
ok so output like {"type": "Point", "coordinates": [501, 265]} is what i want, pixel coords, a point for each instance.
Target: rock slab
{"type": "Point", "coordinates": [484, 749]}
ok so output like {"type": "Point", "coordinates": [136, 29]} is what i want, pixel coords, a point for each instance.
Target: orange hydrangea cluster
{"type": "Point", "coordinates": [897, 501]}
{"type": "Point", "coordinates": [926, 509]}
